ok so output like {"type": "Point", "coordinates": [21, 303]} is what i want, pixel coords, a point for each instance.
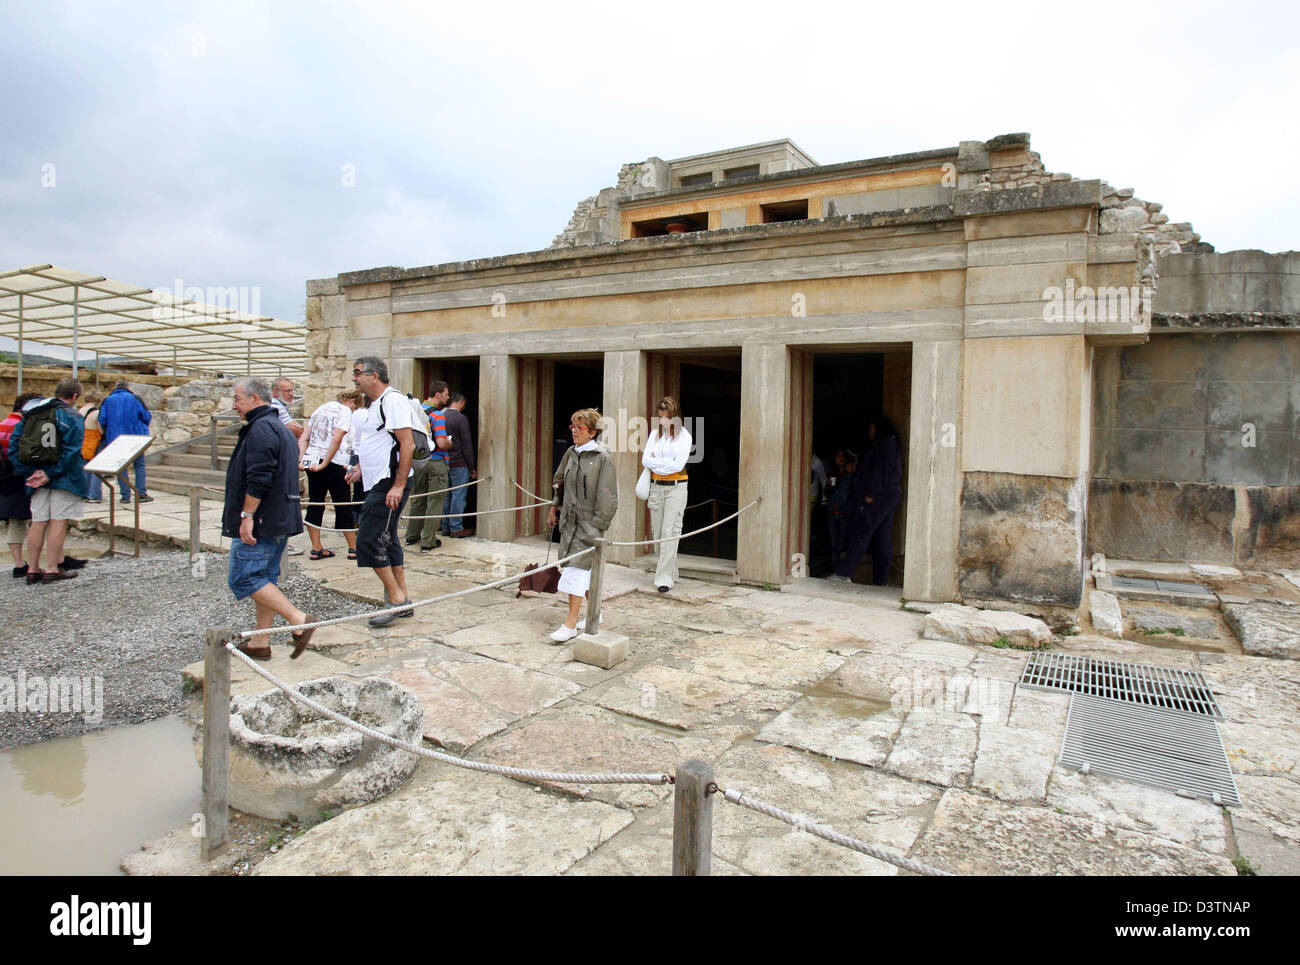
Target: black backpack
{"type": "Point", "coordinates": [41, 442]}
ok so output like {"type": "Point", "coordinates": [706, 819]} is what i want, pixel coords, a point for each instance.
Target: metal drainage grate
{"type": "Point", "coordinates": [1157, 586]}
{"type": "Point", "coordinates": [1168, 687]}
{"type": "Point", "coordinates": [1166, 749]}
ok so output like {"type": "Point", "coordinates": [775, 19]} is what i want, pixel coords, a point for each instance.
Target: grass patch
{"type": "Point", "coordinates": [1159, 631]}
{"type": "Point", "coordinates": [1245, 866]}
{"type": "Point", "coordinates": [1002, 643]}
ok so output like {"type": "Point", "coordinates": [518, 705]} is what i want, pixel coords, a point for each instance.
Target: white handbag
{"type": "Point", "coordinates": [643, 485]}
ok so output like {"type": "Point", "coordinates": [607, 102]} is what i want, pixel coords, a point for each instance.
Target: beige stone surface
{"type": "Point", "coordinates": [1013, 763]}
{"type": "Point", "coordinates": [754, 660]}
{"type": "Point", "coordinates": [679, 698]}
{"type": "Point", "coordinates": [964, 624]}
{"type": "Point", "coordinates": [454, 822]}
{"type": "Point", "coordinates": [1038, 841]}
{"type": "Point", "coordinates": [863, 803]}
{"type": "Point", "coordinates": [844, 728]}
{"type": "Point", "coordinates": [937, 747]}
{"type": "Point", "coordinates": [1120, 804]}
{"type": "Point", "coordinates": [584, 739]}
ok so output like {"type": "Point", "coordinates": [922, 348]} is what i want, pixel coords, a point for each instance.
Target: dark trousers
{"type": "Point", "coordinates": [329, 480]}
{"type": "Point", "coordinates": [838, 523]}
{"type": "Point", "coordinates": [872, 531]}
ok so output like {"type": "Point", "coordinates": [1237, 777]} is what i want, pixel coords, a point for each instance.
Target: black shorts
{"type": "Point", "coordinates": [378, 542]}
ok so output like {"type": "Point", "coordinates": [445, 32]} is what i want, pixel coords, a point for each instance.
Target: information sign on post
{"type": "Point", "coordinates": [110, 461]}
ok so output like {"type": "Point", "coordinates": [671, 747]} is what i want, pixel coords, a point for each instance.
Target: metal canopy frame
{"type": "Point", "coordinates": [61, 306]}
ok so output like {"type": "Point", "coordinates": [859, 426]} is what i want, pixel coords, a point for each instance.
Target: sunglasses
{"type": "Point", "coordinates": [359, 371]}
{"type": "Point", "coordinates": [588, 428]}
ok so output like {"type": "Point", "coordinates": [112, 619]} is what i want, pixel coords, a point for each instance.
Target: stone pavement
{"type": "Point", "coordinates": [832, 706]}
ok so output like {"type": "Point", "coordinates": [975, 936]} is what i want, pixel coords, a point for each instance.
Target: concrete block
{"type": "Point", "coordinates": [604, 648]}
{"type": "Point", "coordinates": [1134, 454]}
{"type": "Point", "coordinates": [1160, 405]}
{"type": "Point", "coordinates": [923, 195]}
{"type": "Point", "coordinates": [1265, 405]}
{"type": "Point", "coordinates": [1184, 456]}
{"type": "Point", "coordinates": [1104, 610]}
{"type": "Point", "coordinates": [1171, 358]}
{"type": "Point", "coordinates": [934, 468]}
{"type": "Point", "coordinates": [735, 217]}
{"type": "Point", "coordinates": [1230, 462]}
{"type": "Point", "coordinates": [864, 202]}
{"type": "Point", "coordinates": [1023, 251]}
{"type": "Point", "coordinates": [1251, 357]}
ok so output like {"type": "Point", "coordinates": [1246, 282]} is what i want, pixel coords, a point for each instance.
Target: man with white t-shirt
{"type": "Point", "coordinates": [384, 446]}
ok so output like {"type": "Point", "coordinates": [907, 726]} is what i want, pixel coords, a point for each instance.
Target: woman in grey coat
{"type": "Point", "coordinates": [586, 498]}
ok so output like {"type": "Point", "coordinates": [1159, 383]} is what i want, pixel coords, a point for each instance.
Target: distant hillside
{"type": "Point", "coordinates": [11, 358]}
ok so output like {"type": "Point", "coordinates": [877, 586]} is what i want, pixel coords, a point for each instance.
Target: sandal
{"type": "Point", "coordinates": [255, 654]}
{"type": "Point", "coordinates": [352, 554]}
{"type": "Point", "coordinates": [300, 639]}
{"type": "Point", "coordinates": [321, 554]}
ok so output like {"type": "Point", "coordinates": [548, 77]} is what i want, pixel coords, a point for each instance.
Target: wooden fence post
{"type": "Point", "coordinates": [196, 547]}
{"type": "Point", "coordinates": [597, 586]}
{"type": "Point", "coordinates": [692, 819]}
{"type": "Point", "coordinates": [216, 742]}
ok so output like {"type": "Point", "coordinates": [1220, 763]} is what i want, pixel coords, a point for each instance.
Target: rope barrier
{"type": "Point", "coordinates": [519, 772]}
{"type": "Point", "coordinates": [431, 492]}
{"type": "Point", "coordinates": [843, 840]}
{"type": "Point", "coordinates": [483, 512]}
{"type": "Point", "coordinates": [294, 628]}
{"type": "Point", "coordinates": [694, 532]}
{"type": "Point", "coordinates": [528, 493]}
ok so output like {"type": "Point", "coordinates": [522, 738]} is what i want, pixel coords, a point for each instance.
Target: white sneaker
{"type": "Point", "coordinates": [582, 624]}
{"type": "Point", "coordinates": [836, 578]}
{"type": "Point", "coordinates": [564, 634]}
{"type": "Point", "coordinates": [295, 550]}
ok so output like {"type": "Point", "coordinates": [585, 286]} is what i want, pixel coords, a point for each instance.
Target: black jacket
{"type": "Point", "coordinates": [265, 465]}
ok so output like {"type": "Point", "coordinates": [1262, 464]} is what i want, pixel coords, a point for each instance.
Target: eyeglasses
{"type": "Point", "coordinates": [358, 371]}
{"type": "Point", "coordinates": [573, 428]}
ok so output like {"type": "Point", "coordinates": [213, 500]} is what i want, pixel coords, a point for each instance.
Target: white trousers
{"type": "Point", "coordinates": [667, 507]}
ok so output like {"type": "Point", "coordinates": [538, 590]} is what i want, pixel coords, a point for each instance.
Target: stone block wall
{"type": "Point", "coordinates": [1196, 448]}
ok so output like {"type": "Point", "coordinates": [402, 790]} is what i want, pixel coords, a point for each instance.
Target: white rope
{"type": "Point", "coordinates": [482, 512]}
{"type": "Point", "coordinates": [295, 628]}
{"type": "Point", "coordinates": [529, 493]}
{"type": "Point", "coordinates": [667, 539]}
{"type": "Point", "coordinates": [519, 772]}
{"type": "Point", "coordinates": [431, 492]}
{"type": "Point", "coordinates": [843, 840]}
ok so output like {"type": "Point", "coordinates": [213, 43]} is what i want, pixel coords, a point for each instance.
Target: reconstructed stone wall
{"type": "Point", "coordinates": [186, 408]}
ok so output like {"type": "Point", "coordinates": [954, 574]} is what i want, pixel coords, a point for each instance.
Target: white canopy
{"type": "Point", "coordinates": [60, 306]}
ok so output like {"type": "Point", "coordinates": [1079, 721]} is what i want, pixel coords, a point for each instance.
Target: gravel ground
{"type": "Point", "coordinates": [133, 622]}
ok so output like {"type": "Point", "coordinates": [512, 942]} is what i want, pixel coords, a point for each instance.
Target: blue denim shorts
{"type": "Point", "coordinates": [253, 567]}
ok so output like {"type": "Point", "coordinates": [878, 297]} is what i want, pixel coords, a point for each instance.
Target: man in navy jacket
{"type": "Point", "coordinates": [262, 510]}
{"type": "Point", "coordinates": [123, 414]}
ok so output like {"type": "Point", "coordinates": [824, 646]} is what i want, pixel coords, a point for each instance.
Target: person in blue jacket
{"type": "Point", "coordinates": [878, 491]}
{"type": "Point", "coordinates": [58, 490]}
{"type": "Point", "coordinates": [123, 414]}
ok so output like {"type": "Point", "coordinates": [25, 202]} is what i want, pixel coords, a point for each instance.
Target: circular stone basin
{"type": "Point", "coordinates": [288, 760]}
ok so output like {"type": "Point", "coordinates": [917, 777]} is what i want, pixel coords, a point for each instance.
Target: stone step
{"type": "Point", "coordinates": [195, 460]}
{"type": "Point", "coordinates": [178, 479]}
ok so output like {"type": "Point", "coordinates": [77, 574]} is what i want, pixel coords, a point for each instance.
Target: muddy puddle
{"type": "Point", "coordinates": [77, 805]}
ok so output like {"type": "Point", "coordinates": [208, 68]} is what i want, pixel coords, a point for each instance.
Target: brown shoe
{"type": "Point", "coordinates": [300, 640]}
{"type": "Point", "coordinates": [461, 533]}
{"type": "Point", "coordinates": [255, 654]}
{"type": "Point", "coordinates": [58, 575]}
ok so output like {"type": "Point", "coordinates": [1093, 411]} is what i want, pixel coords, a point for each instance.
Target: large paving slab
{"type": "Point", "coordinates": [449, 821]}
{"type": "Point", "coordinates": [973, 835]}
{"type": "Point", "coordinates": [1266, 629]}
{"type": "Point", "coordinates": [1134, 807]}
{"type": "Point", "coordinates": [468, 700]}
{"type": "Point", "coordinates": [841, 727]}
{"type": "Point", "coordinates": [1013, 763]}
{"type": "Point", "coordinates": [935, 746]}
{"type": "Point", "coordinates": [690, 701]}
{"type": "Point", "coordinates": [860, 802]}
{"type": "Point", "coordinates": [644, 848]}
{"type": "Point", "coordinates": [585, 739]}
{"type": "Point", "coordinates": [1260, 749]}
{"type": "Point", "coordinates": [1267, 853]}
{"type": "Point", "coordinates": [1271, 802]}
{"type": "Point", "coordinates": [754, 660]}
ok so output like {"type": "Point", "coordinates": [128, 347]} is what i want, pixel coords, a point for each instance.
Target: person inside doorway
{"type": "Point", "coordinates": [878, 491]}
{"type": "Point", "coordinates": [666, 453]}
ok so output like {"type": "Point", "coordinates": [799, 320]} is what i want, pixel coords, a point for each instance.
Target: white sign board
{"type": "Point", "coordinates": [118, 454]}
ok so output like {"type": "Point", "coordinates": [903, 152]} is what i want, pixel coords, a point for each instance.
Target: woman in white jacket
{"type": "Point", "coordinates": [666, 453]}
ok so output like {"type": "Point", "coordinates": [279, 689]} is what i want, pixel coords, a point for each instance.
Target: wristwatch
{"type": "Point", "coordinates": [243, 515]}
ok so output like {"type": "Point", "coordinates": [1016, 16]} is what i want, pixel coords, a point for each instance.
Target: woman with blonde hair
{"type": "Point", "coordinates": [586, 498]}
{"type": "Point", "coordinates": [325, 450]}
{"type": "Point", "coordinates": [666, 453]}
{"type": "Point", "coordinates": [92, 442]}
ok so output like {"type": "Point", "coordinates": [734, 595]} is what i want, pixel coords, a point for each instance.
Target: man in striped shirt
{"type": "Point", "coordinates": [430, 475]}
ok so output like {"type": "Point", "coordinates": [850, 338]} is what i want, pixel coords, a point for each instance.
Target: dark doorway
{"type": "Point", "coordinates": [848, 391]}
{"type": "Point", "coordinates": [711, 403]}
{"type": "Point", "coordinates": [579, 384]}
{"type": "Point", "coordinates": [461, 375]}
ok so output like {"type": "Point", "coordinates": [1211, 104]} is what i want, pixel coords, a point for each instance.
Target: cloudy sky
{"type": "Point", "coordinates": [214, 143]}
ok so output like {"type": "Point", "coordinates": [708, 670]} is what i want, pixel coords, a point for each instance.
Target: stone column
{"type": "Point", "coordinates": [761, 551]}
{"type": "Point", "coordinates": [497, 444]}
{"type": "Point", "coordinates": [933, 473]}
{"type": "Point", "coordinates": [623, 403]}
